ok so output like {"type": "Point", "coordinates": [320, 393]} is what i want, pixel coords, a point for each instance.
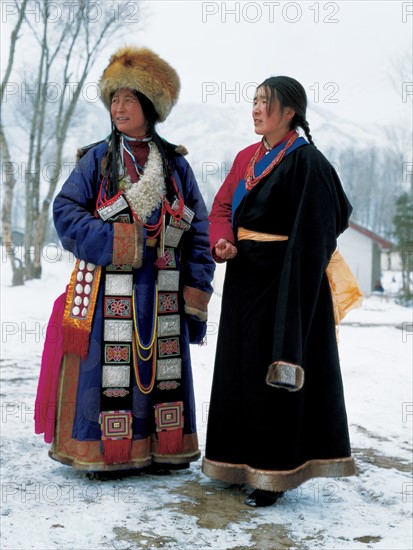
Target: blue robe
{"type": "Point", "coordinates": [91, 239]}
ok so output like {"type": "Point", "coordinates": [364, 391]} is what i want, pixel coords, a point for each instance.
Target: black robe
{"type": "Point", "coordinates": [277, 306]}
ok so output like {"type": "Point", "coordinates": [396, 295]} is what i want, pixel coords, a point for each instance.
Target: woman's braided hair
{"type": "Point", "coordinates": [290, 93]}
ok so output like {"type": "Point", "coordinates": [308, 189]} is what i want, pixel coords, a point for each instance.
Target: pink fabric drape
{"type": "Point", "coordinates": [46, 398]}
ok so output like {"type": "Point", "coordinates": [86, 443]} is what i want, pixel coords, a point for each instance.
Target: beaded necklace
{"type": "Point", "coordinates": [138, 345]}
{"type": "Point", "coordinates": [153, 229]}
{"type": "Point", "coordinates": [144, 389]}
{"type": "Point", "coordinates": [141, 345]}
{"type": "Point", "coordinates": [250, 179]}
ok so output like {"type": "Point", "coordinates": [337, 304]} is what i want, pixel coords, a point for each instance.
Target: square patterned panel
{"type": "Point", "coordinates": [116, 424]}
{"type": "Point", "coordinates": [168, 369]}
{"type": "Point", "coordinates": [118, 285]}
{"type": "Point", "coordinates": [118, 330]}
{"type": "Point", "coordinates": [169, 416]}
{"type": "Point", "coordinates": [169, 325]}
{"type": "Point", "coordinates": [168, 280]}
{"type": "Point", "coordinates": [115, 376]}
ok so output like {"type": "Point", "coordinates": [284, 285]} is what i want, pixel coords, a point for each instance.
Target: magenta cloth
{"type": "Point", "coordinates": [46, 398]}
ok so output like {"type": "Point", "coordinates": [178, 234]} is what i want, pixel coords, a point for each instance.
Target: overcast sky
{"type": "Point", "coordinates": [347, 54]}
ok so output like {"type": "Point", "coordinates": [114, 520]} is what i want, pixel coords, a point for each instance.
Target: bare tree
{"type": "Point", "coordinates": [7, 168]}
{"type": "Point", "coordinates": [371, 178]}
{"type": "Point", "coordinates": [66, 53]}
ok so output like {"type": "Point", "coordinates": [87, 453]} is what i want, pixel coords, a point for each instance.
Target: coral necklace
{"type": "Point", "coordinates": [250, 179]}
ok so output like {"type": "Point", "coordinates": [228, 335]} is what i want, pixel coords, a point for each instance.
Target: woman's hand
{"type": "Point", "coordinates": [225, 250]}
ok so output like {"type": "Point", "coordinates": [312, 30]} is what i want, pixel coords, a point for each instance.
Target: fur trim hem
{"type": "Point", "coordinates": [278, 480]}
{"type": "Point", "coordinates": [285, 375]}
{"type": "Point", "coordinates": [143, 455]}
{"type": "Point", "coordinates": [98, 466]}
{"type": "Point", "coordinates": [142, 70]}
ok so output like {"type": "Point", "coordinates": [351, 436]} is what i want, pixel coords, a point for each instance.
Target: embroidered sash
{"type": "Point", "coordinates": [259, 169]}
{"type": "Point", "coordinates": [116, 350]}
{"type": "Point", "coordinates": [156, 362]}
{"type": "Point", "coordinates": [168, 392]}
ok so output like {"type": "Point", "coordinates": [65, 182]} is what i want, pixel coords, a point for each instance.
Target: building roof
{"type": "Point", "coordinates": [384, 243]}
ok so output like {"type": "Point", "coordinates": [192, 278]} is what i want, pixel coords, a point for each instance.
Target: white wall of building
{"type": "Point", "coordinates": [357, 250]}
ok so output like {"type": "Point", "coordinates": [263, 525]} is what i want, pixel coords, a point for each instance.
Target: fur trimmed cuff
{"type": "Point", "coordinates": [200, 315]}
{"type": "Point", "coordinates": [196, 300]}
{"type": "Point", "coordinates": [285, 375]}
{"type": "Point", "coordinates": [128, 244]}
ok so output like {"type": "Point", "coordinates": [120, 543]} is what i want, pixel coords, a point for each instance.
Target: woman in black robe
{"type": "Point", "coordinates": [277, 415]}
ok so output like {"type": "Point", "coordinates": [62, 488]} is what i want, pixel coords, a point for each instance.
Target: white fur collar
{"type": "Point", "coordinates": [147, 193]}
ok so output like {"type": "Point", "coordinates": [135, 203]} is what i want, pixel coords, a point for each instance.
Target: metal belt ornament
{"type": "Point", "coordinates": [124, 353]}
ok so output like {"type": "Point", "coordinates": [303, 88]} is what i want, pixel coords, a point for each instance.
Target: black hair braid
{"type": "Point", "coordinates": [167, 169]}
{"type": "Point", "coordinates": [110, 170]}
{"type": "Point", "coordinates": [306, 127]}
{"type": "Point", "coordinates": [152, 118]}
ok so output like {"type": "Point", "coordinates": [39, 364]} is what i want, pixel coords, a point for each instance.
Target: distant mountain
{"type": "Point", "coordinates": [213, 134]}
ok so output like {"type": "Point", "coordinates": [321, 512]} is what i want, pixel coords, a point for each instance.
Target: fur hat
{"type": "Point", "coordinates": [142, 70]}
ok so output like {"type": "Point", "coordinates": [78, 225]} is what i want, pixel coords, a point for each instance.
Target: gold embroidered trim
{"type": "Point", "coordinates": [76, 330]}
{"type": "Point", "coordinates": [278, 480]}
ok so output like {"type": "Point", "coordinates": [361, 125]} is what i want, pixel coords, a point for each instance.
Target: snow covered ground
{"type": "Point", "coordinates": [45, 505]}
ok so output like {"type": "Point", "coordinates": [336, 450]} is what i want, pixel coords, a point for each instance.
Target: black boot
{"type": "Point", "coordinates": [260, 498]}
{"type": "Point", "coordinates": [158, 469]}
{"type": "Point", "coordinates": [112, 475]}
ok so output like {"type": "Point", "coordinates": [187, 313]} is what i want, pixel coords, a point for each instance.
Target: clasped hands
{"type": "Point", "coordinates": [225, 250]}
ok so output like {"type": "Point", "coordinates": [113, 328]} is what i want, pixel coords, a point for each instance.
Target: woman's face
{"type": "Point", "coordinates": [273, 125]}
{"type": "Point", "coordinates": [127, 114]}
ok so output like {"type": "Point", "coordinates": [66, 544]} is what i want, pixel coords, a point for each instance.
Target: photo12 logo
{"type": "Point", "coordinates": [225, 92]}
{"type": "Point", "coordinates": [270, 12]}
{"type": "Point", "coordinates": [51, 92]}
{"type": "Point", "coordinates": [71, 11]}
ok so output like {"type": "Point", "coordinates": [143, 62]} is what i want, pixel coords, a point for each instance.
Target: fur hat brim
{"type": "Point", "coordinates": [142, 70]}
